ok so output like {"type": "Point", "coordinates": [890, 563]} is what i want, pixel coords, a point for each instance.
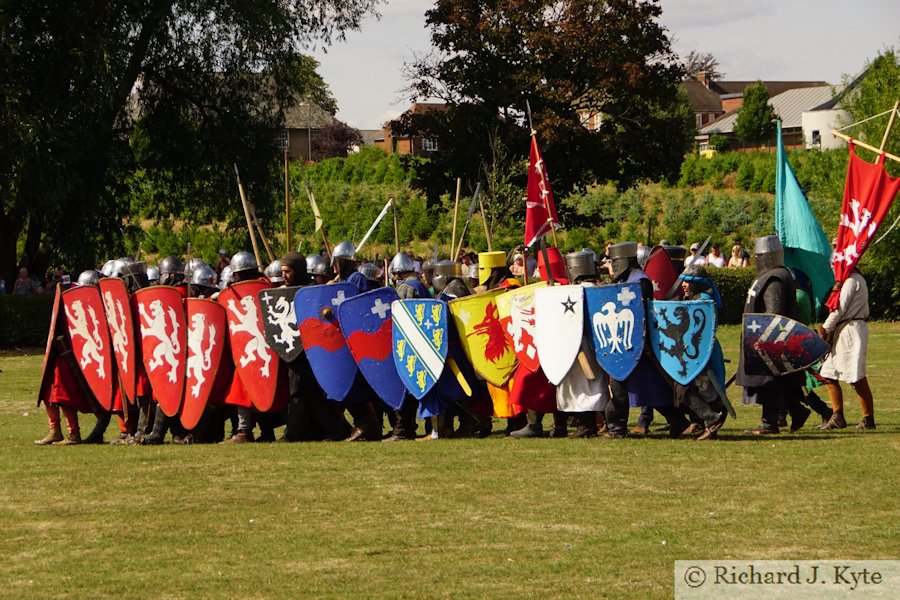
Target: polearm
{"type": "Point", "coordinates": [455, 215]}
{"type": "Point", "coordinates": [374, 224]}
{"type": "Point", "coordinates": [262, 234]}
{"type": "Point", "coordinates": [318, 216]}
{"type": "Point", "coordinates": [287, 205]}
{"type": "Point", "coordinates": [396, 229]}
{"type": "Point", "coordinates": [462, 236]}
{"type": "Point", "coordinates": [247, 216]}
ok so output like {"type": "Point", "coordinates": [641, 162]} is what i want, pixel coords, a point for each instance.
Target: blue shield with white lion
{"type": "Point", "coordinates": [419, 343]}
{"type": "Point", "coordinates": [616, 317]}
{"type": "Point", "coordinates": [682, 335]}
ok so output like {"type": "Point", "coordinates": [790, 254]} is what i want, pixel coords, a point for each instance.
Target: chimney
{"type": "Point", "coordinates": [703, 77]}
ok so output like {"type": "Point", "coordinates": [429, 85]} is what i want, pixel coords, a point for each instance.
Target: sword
{"type": "Point", "coordinates": [721, 392]}
{"type": "Point", "coordinates": [693, 258]}
{"type": "Point", "coordinates": [374, 225]}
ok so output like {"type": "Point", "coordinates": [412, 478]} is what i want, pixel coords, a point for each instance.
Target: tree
{"type": "Point", "coordinates": [570, 60]}
{"type": "Point", "coordinates": [702, 62]}
{"type": "Point", "coordinates": [335, 140]}
{"type": "Point", "coordinates": [755, 122]}
{"type": "Point", "coordinates": [102, 98]}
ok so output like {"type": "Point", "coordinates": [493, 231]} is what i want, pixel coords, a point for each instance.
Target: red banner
{"type": "Point", "coordinates": [540, 209]}
{"type": "Point", "coordinates": [868, 194]}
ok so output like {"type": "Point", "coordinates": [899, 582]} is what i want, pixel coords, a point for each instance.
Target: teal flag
{"type": "Point", "coordinates": [805, 245]}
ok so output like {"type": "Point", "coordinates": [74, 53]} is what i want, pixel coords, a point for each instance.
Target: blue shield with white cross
{"type": "Point", "coordinates": [616, 317]}
{"type": "Point", "coordinates": [419, 343]}
{"type": "Point", "coordinates": [682, 334]}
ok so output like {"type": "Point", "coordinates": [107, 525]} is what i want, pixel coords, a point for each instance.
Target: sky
{"type": "Point", "coordinates": [776, 40]}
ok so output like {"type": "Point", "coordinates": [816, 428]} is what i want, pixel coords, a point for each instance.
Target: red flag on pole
{"type": "Point", "coordinates": [868, 194]}
{"type": "Point", "coordinates": [540, 210]}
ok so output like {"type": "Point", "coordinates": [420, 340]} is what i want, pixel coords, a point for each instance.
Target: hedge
{"type": "Point", "coordinates": [24, 320]}
{"type": "Point", "coordinates": [733, 285]}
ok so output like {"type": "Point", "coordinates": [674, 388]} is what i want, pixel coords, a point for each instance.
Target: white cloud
{"type": "Point", "coordinates": [688, 14]}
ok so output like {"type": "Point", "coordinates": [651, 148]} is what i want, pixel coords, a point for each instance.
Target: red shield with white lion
{"type": "Point", "coordinates": [160, 315]}
{"type": "Point", "coordinates": [121, 331]}
{"type": "Point", "coordinates": [255, 361]}
{"type": "Point", "coordinates": [206, 331]}
{"type": "Point", "coordinates": [89, 334]}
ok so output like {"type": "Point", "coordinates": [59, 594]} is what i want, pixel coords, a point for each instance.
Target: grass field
{"type": "Point", "coordinates": [458, 518]}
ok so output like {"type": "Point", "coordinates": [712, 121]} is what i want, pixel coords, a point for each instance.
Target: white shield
{"type": "Point", "coordinates": [559, 327]}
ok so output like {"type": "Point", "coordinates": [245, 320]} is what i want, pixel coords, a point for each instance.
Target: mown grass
{"type": "Point", "coordinates": [460, 518]}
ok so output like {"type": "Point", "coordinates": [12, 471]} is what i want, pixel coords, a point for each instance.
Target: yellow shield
{"type": "Point", "coordinates": [481, 335]}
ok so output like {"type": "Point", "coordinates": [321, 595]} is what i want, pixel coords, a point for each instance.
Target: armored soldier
{"type": "Point", "coordinates": [273, 272]}
{"type": "Point", "coordinates": [345, 267]}
{"type": "Point", "coordinates": [171, 271]}
{"type": "Point", "coordinates": [317, 269]}
{"type": "Point", "coordinates": [403, 271]}
{"type": "Point", "coordinates": [448, 280]}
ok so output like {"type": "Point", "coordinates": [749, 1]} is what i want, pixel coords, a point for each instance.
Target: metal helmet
{"type": "Point", "coordinates": [153, 274]}
{"type": "Point", "coordinates": [343, 250]}
{"type": "Point", "coordinates": [487, 261]}
{"type": "Point", "coordinates": [117, 267]}
{"type": "Point", "coordinates": [676, 255]}
{"type": "Point", "coordinates": [243, 261]}
{"type": "Point", "coordinates": [401, 263]}
{"type": "Point", "coordinates": [107, 268]}
{"type": "Point", "coordinates": [193, 264]}
{"type": "Point", "coordinates": [273, 272]}
{"type": "Point", "coordinates": [225, 277]}
{"type": "Point", "coordinates": [368, 270]}
{"type": "Point", "coordinates": [643, 255]}
{"type": "Point", "coordinates": [445, 271]}
{"type": "Point", "coordinates": [316, 265]}
{"type": "Point", "coordinates": [769, 253]}
{"type": "Point", "coordinates": [204, 275]}
{"type": "Point", "coordinates": [171, 265]}
{"type": "Point", "coordinates": [581, 264]}
{"type": "Point", "coordinates": [90, 277]}
{"type": "Point", "coordinates": [696, 277]}
{"type": "Point", "coordinates": [623, 256]}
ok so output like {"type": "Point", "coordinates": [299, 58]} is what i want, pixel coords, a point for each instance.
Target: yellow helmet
{"type": "Point", "coordinates": [488, 261]}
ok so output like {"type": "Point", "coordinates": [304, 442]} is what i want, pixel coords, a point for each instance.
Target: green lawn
{"type": "Point", "coordinates": [458, 518]}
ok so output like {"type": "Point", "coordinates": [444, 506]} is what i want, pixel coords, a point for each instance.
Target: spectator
{"type": "Point", "coordinates": [737, 259]}
{"type": "Point", "coordinates": [224, 261]}
{"type": "Point", "coordinates": [25, 285]}
{"type": "Point", "coordinates": [517, 268]}
{"type": "Point", "coordinates": [714, 259]}
{"type": "Point", "coordinates": [691, 260]}
{"type": "Point", "coordinates": [2, 285]}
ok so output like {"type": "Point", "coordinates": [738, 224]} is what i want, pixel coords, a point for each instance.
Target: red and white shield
{"type": "Point", "coordinates": [51, 335]}
{"type": "Point", "coordinates": [205, 343]}
{"type": "Point", "coordinates": [89, 334]}
{"type": "Point", "coordinates": [163, 343]}
{"type": "Point", "coordinates": [661, 271]}
{"type": "Point", "coordinates": [255, 361]}
{"type": "Point", "coordinates": [121, 329]}
{"type": "Point", "coordinates": [516, 309]}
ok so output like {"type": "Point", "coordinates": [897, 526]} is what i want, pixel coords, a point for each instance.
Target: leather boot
{"type": "Point", "coordinates": [54, 435]}
{"type": "Point", "coordinates": [516, 423]}
{"type": "Point", "coordinates": [836, 421]}
{"type": "Point", "coordinates": [73, 439]}
{"type": "Point", "coordinates": [587, 425]}
{"type": "Point", "coordinates": [160, 427]}
{"type": "Point", "coordinates": [96, 434]}
{"type": "Point", "coordinates": [560, 425]}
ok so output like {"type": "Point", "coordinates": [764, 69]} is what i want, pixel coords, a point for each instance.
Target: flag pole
{"type": "Point", "coordinates": [487, 231]}
{"type": "Point", "coordinates": [543, 198]}
{"type": "Point", "coordinates": [237, 174]}
{"type": "Point", "coordinates": [887, 131]}
{"type": "Point", "coordinates": [287, 205]}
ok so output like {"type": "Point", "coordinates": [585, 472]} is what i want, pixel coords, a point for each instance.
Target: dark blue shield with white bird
{"type": "Point", "coordinates": [615, 314]}
{"type": "Point", "coordinates": [682, 335]}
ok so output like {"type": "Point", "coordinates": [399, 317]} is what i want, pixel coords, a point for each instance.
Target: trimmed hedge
{"type": "Point", "coordinates": [24, 320]}
{"type": "Point", "coordinates": [733, 285]}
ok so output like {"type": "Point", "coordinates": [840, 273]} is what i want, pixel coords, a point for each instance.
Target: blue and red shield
{"type": "Point", "coordinates": [316, 309]}
{"type": "Point", "coordinates": [366, 324]}
{"type": "Point", "coordinates": [774, 345]}
{"type": "Point", "coordinates": [615, 315]}
{"type": "Point", "coordinates": [682, 335]}
{"type": "Point", "coordinates": [420, 339]}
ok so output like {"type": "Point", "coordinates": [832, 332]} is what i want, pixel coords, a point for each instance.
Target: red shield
{"type": "Point", "coordinates": [89, 334]}
{"type": "Point", "coordinates": [121, 331]}
{"type": "Point", "coordinates": [662, 274]}
{"type": "Point", "coordinates": [256, 363]}
{"type": "Point", "coordinates": [163, 343]}
{"type": "Point", "coordinates": [205, 343]}
{"type": "Point", "coordinates": [54, 312]}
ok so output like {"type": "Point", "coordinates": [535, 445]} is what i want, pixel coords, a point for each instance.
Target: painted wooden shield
{"type": "Point", "coordinates": [682, 336]}
{"type": "Point", "coordinates": [163, 343]}
{"type": "Point", "coordinates": [320, 333]}
{"type": "Point", "coordinates": [661, 271]}
{"type": "Point", "coordinates": [255, 363]}
{"type": "Point", "coordinates": [51, 335]}
{"type": "Point", "coordinates": [481, 334]}
{"type": "Point", "coordinates": [616, 317]}
{"type": "Point", "coordinates": [559, 328]}
{"type": "Point", "coordinates": [206, 331]}
{"type": "Point", "coordinates": [89, 334]}
{"type": "Point", "coordinates": [420, 343]}
{"type": "Point", "coordinates": [117, 305]}
{"type": "Point", "coordinates": [366, 324]}
{"type": "Point", "coordinates": [774, 345]}
{"type": "Point", "coordinates": [280, 323]}
{"type": "Point", "coordinates": [516, 309]}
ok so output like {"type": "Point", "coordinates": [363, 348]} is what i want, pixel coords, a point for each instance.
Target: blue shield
{"type": "Point", "coordinates": [366, 324]}
{"type": "Point", "coordinates": [420, 343]}
{"type": "Point", "coordinates": [320, 333]}
{"type": "Point", "coordinates": [774, 345]}
{"type": "Point", "coordinates": [615, 315]}
{"type": "Point", "coordinates": [682, 336]}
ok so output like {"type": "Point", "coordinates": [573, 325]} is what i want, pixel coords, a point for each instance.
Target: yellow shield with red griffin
{"type": "Point", "coordinates": [481, 335]}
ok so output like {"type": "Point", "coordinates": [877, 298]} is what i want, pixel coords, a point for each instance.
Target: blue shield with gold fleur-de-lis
{"type": "Point", "coordinates": [420, 342]}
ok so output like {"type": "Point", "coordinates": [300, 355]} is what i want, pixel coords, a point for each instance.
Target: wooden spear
{"type": "Point", "coordinates": [247, 216]}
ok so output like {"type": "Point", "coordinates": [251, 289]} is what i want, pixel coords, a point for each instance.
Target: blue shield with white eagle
{"type": "Point", "coordinates": [419, 343]}
{"type": "Point", "coordinates": [616, 317]}
{"type": "Point", "coordinates": [682, 336]}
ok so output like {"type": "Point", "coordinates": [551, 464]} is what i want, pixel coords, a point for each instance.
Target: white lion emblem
{"type": "Point", "coordinates": [614, 329]}
{"type": "Point", "coordinates": [168, 346]}
{"type": "Point", "coordinates": [116, 317]}
{"type": "Point", "coordinates": [282, 316]}
{"type": "Point", "coordinates": [199, 360]}
{"type": "Point", "coordinates": [248, 322]}
{"type": "Point", "coordinates": [93, 342]}
{"type": "Point", "coordinates": [521, 326]}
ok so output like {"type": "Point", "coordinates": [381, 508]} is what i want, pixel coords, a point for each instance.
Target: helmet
{"type": "Point", "coordinates": [694, 273]}
{"type": "Point", "coordinates": [623, 257]}
{"type": "Point", "coordinates": [193, 264]}
{"type": "Point", "coordinates": [243, 261]}
{"type": "Point", "coordinates": [445, 271]}
{"type": "Point", "coordinates": [343, 250]}
{"type": "Point", "coordinates": [225, 277]}
{"type": "Point", "coordinates": [273, 272]}
{"type": "Point", "coordinates": [488, 261]}
{"type": "Point", "coordinates": [170, 266]}
{"type": "Point", "coordinates": [204, 275]}
{"type": "Point", "coordinates": [89, 277]}
{"type": "Point", "coordinates": [107, 268]}
{"type": "Point", "coordinates": [153, 274]}
{"type": "Point", "coordinates": [117, 266]}
{"type": "Point", "coordinates": [316, 265]}
{"type": "Point", "coordinates": [130, 267]}
{"type": "Point", "coordinates": [643, 255]}
{"type": "Point", "coordinates": [557, 265]}
{"type": "Point", "coordinates": [368, 270]}
{"type": "Point", "coordinates": [581, 264]}
{"type": "Point", "coordinates": [769, 253]}
{"type": "Point", "coordinates": [401, 263]}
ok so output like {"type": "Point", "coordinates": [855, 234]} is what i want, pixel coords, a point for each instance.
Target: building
{"type": "Point", "coordinates": [301, 123]}
{"type": "Point", "coordinates": [406, 144]}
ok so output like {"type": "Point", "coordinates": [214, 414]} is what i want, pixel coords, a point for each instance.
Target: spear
{"type": "Point", "coordinates": [237, 174]}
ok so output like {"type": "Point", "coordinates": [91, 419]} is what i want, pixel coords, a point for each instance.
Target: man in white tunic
{"type": "Point", "coordinates": [848, 332]}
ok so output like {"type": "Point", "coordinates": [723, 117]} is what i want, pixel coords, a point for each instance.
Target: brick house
{"type": "Point", "coordinates": [405, 144]}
